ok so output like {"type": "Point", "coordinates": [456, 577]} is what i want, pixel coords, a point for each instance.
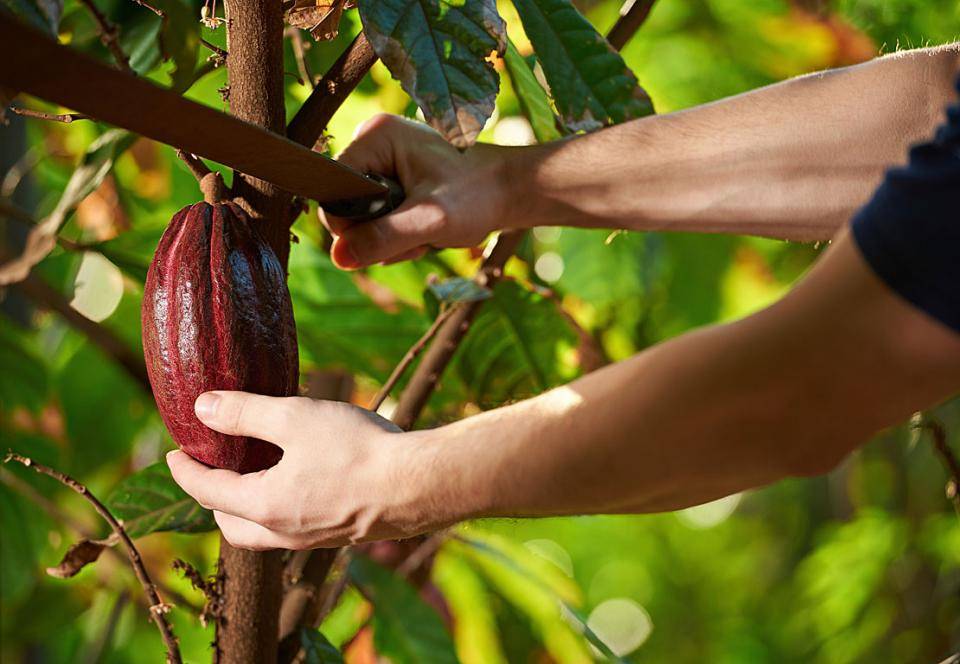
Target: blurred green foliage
{"type": "Point", "coordinates": [861, 565]}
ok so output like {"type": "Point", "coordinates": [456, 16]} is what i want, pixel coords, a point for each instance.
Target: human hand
{"type": "Point", "coordinates": [346, 476]}
{"type": "Point", "coordinates": [453, 198]}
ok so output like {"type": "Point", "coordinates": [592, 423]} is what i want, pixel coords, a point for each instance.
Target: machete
{"type": "Point", "coordinates": [33, 63]}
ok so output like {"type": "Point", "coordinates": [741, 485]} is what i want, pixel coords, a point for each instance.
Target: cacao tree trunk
{"type": "Point", "coordinates": [247, 628]}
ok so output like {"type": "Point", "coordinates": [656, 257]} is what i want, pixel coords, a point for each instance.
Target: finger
{"type": "Point", "coordinates": [245, 534]}
{"type": "Point", "coordinates": [412, 255]}
{"type": "Point", "coordinates": [374, 241]}
{"type": "Point", "coordinates": [245, 414]}
{"type": "Point", "coordinates": [213, 488]}
{"type": "Point", "coordinates": [336, 225]}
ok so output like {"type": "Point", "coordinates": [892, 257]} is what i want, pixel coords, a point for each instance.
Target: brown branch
{"type": "Point", "coordinates": [66, 118]}
{"type": "Point", "coordinates": [158, 609]}
{"type": "Point", "coordinates": [26, 490]}
{"type": "Point", "coordinates": [409, 358]}
{"type": "Point", "coordinates": [303, 599]}
{"type": "Point", "coordinates": [109, 35]}
{"type": "Point", "coordinates": [296, 41]}
{"type": "Point", "coordinates": [632, 16]}
{"type": "Point", "coordinates": [219, 52]}
{"type": "Point", "coordinates": [939, 435]}
{"type": "Point", "coordinates": [308, 125]}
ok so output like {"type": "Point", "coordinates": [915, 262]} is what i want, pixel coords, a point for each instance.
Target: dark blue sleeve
{"type": "Point", "coordinates": [909, 232]}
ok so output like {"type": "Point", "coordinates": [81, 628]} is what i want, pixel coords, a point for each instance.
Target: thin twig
{"type": "Point", "coordinates": [158, 609]}
{"type": "Point", "coordinates": [422, 553]}
{"type": "Point", "coordinates": [409, 358]}
{"type": "Point", "coordinates": [159, 12]}
{"type": "Point", "coordinates": [109, 35]}
{"type": "Point", "coordinates": [296, 41]}
{"type": "Point", "coordinates": [66, 118]}
{"type": "Point", "coordinates": [939, 435]}
{"type": "Point", "coordinates": [213, 47]}
{"type": "Point", "coordinates": [633, 13]}
{"type": "Point", "coordinates": [26, 490]}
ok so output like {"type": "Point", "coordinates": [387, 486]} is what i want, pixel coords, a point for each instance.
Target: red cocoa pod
{"type": "Point", "coordinates": [217, 316]}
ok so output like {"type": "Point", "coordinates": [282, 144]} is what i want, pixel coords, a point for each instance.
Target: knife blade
{"type": "Point", "coordinates": [33, 63]}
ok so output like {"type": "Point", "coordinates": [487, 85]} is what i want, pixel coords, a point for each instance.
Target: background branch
{"type": "Point", "coordinates": [158, 609]}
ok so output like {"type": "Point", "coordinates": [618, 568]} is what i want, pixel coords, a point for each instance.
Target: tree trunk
{"type": "Point", "coordinates": [247, 629]}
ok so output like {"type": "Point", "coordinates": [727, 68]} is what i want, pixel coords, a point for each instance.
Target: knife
{"type": "Point", "coordinates": [31, 62]}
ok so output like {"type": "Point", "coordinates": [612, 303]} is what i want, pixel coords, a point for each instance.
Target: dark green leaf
{"type": "Point", "coordinates": [43, 14]}
{"type": "Point", "coordinates": [590, 83]}
{"type": "Point", "coordinates": [534, 101]}
{"type": "Point", "coordinates": [437, 49]}
{"type": "Point", "coordinates": [317, 649]}
{"type": "Point", "coordinates": [18, 358]}
{"type": "Point", "coordinates": [339, 326]}
{"type": "Point", "coordinates": [405, 629]}
{"type": "Point", "coordinates": [150, 501]}
{"type": "Point", "coordinates": [104, 410]}
{"type": "Point", "coordinates": [459, 289]}
{"type": "Point", "coordinates": [515, 347]}
{"type": "Point", "coordinates": [180, 40]}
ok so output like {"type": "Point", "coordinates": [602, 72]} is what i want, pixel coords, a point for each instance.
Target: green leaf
{"type": "Point", "coordinates": [104, 410]}
{"type": "Point", "coordinates": [437, 49]}
{"type": "Point", "coordinates": [405, 629]}
{"type": "Point", "coordinates": [43, 14]}
{"type": "Point", "coordinates": [590, 83]}
{"type": "Point", "coordinates": [537, 588]}
{"type": "Point", "coordinates": [149, 501]}
{"type": "Point", "coordinates": [317, 649]}
{"type": "Point", "coordinates": [534, 101]}
{"type": "Point", "coordinates": [602, 268]}
{"type": "Point", "coordinates": [19, 358]}
{"type": "Point", "coordinates": [458, 289]}
{"type": "Point", "coordinates": [180, 40]}
{"type": "Point", "coordinates": [515, 347]}
{"type": "Point", "coordinates": [93, 168]}
{"type": "Point", "coordinates": [340, 326]}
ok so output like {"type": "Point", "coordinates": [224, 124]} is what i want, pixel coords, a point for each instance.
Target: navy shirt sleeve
{"type": "Point", "coordinates": [909, 232]}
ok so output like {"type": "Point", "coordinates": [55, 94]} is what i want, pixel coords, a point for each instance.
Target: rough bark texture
{"type": "Point", "coordinates": [255, 75]}
{"type": "Point", "coordinates": [247, 630]}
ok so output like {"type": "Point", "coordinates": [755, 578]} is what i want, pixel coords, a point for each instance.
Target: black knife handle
{"type": "Point", "coordinates": [369, 207]}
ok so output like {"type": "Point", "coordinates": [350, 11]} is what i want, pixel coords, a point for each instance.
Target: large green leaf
{"type": "Point", "coordinates": [515, 347]}
{"type": "Point", "coordinates": [43, 14]}
{"type": "Point", "coordinates": [21, 361]}
{"type": "Point", "coordinates": [150, 501]}
{"type": "Point", "coordinates": [93, 167]}
{"type": "Point", "coordinates": [340, 326]}
{"type": "Point", "coordinates": [536, 587]}
{"type": "Point", "coordinates": [317, 649]}
{"type": "Point", "coordinates": [438, 49]}
{"type": "Point", "coordinates": [533, 99]}
{"type": "Point", "coordinates": [405, 629]}
{"type": "Point", "coordinates": [602, 268]}
{"type": "Point", "coordinates": [104, 410]}
{"type": "Point", "coordinates": [590, 83]}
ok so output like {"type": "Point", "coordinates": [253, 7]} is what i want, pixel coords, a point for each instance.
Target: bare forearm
{"type": "Point", "coordinates": [789, 161]}
{"type": "Point", "coordinates": [786, 392]}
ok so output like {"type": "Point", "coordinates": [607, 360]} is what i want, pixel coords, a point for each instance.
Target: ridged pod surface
{"type": "Point", "coordinates": [217, 316]}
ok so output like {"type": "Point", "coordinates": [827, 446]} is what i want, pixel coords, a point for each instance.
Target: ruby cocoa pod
{"type": "Point", "coordinates": [217, 316]}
